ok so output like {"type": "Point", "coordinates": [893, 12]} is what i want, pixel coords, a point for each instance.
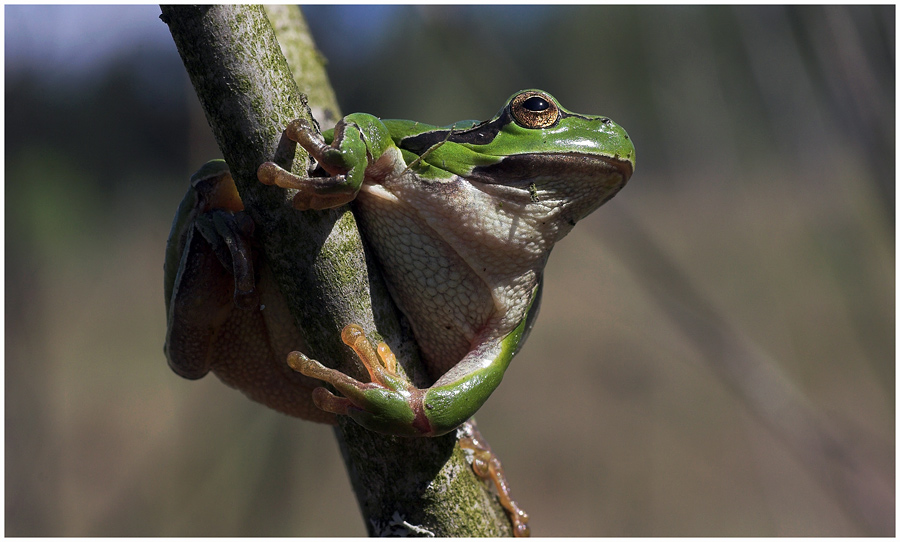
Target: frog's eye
{"type": "Point", "coordinates": [532, 109]}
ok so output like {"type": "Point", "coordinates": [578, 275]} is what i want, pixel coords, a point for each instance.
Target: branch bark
{"type": "Point", "coordinates": [403, 485]}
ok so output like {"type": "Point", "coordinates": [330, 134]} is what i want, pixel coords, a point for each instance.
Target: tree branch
{"type": "Point", "coordinates": [403, 485]}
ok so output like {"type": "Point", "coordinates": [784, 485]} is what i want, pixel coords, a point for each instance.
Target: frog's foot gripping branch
{"type": "Point", "coordinates": [487, 466]}
{"type": "Point", "coordinates": [388, 404]}
{"type": "Point", "coordinates": [345, 161]}
{"type": "Point", "coordinates": [316, 193]}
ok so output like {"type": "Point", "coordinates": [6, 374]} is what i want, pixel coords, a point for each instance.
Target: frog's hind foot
{"type": "Point", "coordinates": [487, 466]}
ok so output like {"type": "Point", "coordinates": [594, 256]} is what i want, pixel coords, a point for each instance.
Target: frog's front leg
{"type": "Point", "coordinates": [392, 405]}
{"type": "Point", "coordinates": [346, 160]}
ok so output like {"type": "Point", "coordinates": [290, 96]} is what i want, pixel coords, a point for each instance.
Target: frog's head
{"type": "Point", "coordinates": [569, 164]}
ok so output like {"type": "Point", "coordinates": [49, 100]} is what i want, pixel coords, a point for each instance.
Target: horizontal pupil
{"type": "Point", "coordinates": [535, 103]}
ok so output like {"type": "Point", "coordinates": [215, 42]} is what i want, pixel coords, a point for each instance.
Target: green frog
{"type": "Point", "coordinates": [461, 220]}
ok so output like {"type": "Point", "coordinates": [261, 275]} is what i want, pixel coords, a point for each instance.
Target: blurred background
{"type": "Point", "coordinates": [715, 352]}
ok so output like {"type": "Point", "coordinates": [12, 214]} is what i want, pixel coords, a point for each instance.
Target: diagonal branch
{"type": "Point", "coordinates": [403, 485]}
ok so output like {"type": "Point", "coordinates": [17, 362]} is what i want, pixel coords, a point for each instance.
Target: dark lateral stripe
{"type": "Point", "coordinates": [480, 134]}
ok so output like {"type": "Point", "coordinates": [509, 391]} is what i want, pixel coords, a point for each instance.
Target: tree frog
{"type": "Point", "coordinates": [461, 219]}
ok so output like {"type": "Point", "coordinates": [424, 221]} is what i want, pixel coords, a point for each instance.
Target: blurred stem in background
{"type": "Point", "coordinates": [850, 463]}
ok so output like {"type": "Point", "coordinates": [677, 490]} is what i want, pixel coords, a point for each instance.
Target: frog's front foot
{"type": "Point", "coordinates": [346, 166]}
{"type": "Point", "coordinates": [388, 404]}
{"type": "Point", "coordinates": [487, 467]}
{"type": "Point", "coordinates": [316, 193]}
